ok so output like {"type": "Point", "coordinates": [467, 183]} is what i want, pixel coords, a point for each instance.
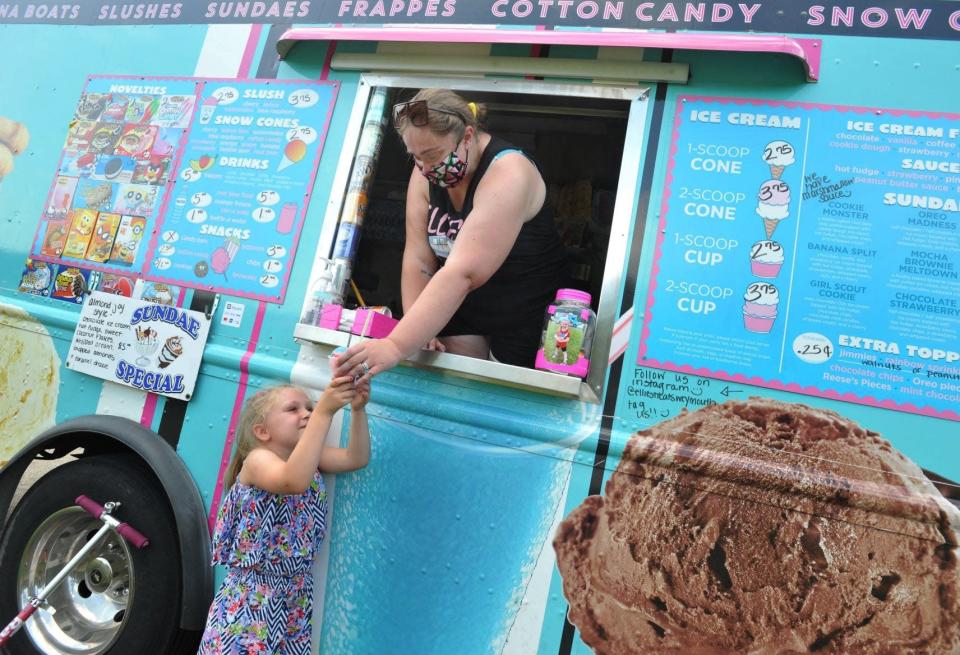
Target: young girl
{"type": "Point", "coordinates": [274, 517]}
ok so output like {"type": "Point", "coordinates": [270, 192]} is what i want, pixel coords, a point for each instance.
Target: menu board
{"type": "Point", "coordinates": [811, 248]}
{"type": "Point", "coordinates": [139, 344]}
{"type": "Point", "coordinates": [194, 182]}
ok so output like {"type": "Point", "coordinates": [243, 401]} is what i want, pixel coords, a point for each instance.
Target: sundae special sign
{"type": "Point", "coordinates": [192, 182]}
{"type": "Point", "coordinates": [139, 344]}
{"type": "Point", "coordinates": [811, 248]}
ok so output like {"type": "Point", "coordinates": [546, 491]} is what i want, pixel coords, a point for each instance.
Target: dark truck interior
{"type": "Point", "coordinates": [577, 142]}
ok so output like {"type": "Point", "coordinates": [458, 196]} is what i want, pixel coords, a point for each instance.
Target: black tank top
{"type": "Point", "coordinates": [515, 296]}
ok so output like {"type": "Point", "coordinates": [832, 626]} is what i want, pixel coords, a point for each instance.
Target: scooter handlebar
{"type": "Point", "coordinates": [127, 531]}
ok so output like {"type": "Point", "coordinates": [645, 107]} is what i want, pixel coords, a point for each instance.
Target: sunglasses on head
{"type": "Point", "coordinates": [417, 112]}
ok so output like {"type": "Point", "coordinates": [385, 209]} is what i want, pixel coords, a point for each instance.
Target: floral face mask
{"type": "Point", "coordinates": [449, 172]}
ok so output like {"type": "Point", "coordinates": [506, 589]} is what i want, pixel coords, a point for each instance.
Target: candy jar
{"type": "Point", "coordinates": [567, 336]}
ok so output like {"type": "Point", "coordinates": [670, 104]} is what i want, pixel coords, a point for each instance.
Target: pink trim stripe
{"type": "Point", "coordinates": [149, 410]}
{"type": "Point", "coordinates": [250, 51]}
{"type": "Point", "coordinates": [808, 51]}
{"type": "Point", "coordinates": [325, 73]}
{"type": "Point", "coordinates": [235, 415]}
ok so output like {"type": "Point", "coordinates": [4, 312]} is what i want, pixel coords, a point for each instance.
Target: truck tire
{"type": "Point", "coordinates": [120, 600]}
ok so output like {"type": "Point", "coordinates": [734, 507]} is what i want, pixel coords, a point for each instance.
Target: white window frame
{"type": "Point", "coordinates": [590, 389]}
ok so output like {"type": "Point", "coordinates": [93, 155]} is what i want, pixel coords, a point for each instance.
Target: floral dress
{"type": "Point", "coordinates": [267, 542]}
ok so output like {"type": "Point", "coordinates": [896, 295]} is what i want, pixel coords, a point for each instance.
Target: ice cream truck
{"type": "Point", "coordinates": [759, 203]}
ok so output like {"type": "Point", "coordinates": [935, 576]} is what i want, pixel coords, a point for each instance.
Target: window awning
{"type": "Point", "coordinates": [806, 50]}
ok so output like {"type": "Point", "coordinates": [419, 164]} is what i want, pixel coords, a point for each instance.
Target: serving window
{"type": "Point", "coordinates": [587, 141]}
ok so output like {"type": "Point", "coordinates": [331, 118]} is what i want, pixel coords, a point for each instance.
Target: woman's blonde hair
{"type": "Point", "coordinates": [255, 412]}
{"type": "Point", "coordinates": [438, 122]}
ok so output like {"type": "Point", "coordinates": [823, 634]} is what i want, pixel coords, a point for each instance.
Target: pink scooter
{"type": "Point", "coordinates": [101, 512]}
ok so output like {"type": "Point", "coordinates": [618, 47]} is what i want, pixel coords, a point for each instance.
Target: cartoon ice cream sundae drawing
{"type": "Point", "coordinates": [773, 204]}
{"type": "Point", "coordinates": [779, 155]}
{"type": "Point", "coordinates": [760, 307]}
{"type": "Point", "coordinates": [147, 343]}
{"type": "Point", "coordinates": [766, 258]}
{"type": "Point", "coordinates": [172, 348]}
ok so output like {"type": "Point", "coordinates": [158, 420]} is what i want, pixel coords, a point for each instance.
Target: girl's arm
{"type": "Point", "coordinates": [357, 453]}
{"type": "Point", "coordinates": [265, 469]}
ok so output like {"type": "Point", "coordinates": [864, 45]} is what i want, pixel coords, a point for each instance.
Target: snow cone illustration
{"type": "Point", "coordinates": [779, 155]}
{"type": "Point", "coordinates": [766, 258]}
{"type": "Point", "coordinates": [172, 348]}
{"type": "Point", "coordinates": [760, 307]}
{"type": "Point", "coordinates": [773, 204]}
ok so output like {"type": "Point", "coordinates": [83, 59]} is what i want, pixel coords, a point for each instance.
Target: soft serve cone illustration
{"type": "Point", "coordinates": [778, 155]}
{"type": "Point", "coordinates": [773, 204]}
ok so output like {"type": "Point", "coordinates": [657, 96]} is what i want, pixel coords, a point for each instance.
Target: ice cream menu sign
{"type": "Point", "coordinates": [811, 248]}
{"type": "Point", "coordinates": [139, 344]}
{"type": "Point", "coordinates": [189, 181]}
{"type": "Point", "coordinates": [242, 187]}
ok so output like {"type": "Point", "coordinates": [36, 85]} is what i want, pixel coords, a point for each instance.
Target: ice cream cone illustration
{"type": "Point", "coordinates": [773, 204]}
{"type": "Point", "coordinates": [172, 348]}
{"type": "Point", "coordinates": [778, 155]}
{"type": "Point", "coordinates": [294, 151]}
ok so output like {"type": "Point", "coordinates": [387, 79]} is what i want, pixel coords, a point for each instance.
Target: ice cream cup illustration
{"type": "Point", "coordinates": [172, 348]}
{"type": "Point", "coordinates": [773, 204]}
{"type": "Point", "coordinates": [778, 155]}
{"type": "Point", "coordinates": [766, 259]}
{"type": "Point", "coordinates": [760, 307]}
{"type": "Point", "coordinates": [760, 526]}
{"type": "Point", "coordinates": [207, 108]}
{"type": "Point", "coordinates": [147, 343]}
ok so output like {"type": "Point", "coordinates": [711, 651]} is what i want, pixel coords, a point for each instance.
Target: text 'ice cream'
{"type": "Point", "coordinates": [763, 527]}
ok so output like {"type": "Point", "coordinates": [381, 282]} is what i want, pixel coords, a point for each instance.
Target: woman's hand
{"type": "Point", "coordinates": [362, 395]}
{"type": "Point", "coordinates": [366, 359]}
{"type": "Point", "coordinates": [338, 393]}
{"type": "Point", "coordinates": [435, 344]}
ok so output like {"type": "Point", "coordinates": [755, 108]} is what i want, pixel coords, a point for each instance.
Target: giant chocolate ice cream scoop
{"type": "Point", "coordinates": [763, 527]}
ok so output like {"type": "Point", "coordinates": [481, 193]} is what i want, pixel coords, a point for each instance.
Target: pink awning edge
{"type": "Point", "coordinates": [806, 50]}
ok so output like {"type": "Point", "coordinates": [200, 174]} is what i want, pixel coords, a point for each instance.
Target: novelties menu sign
{"type": "Point", "coordinates": [811, 248]}
{"type": "Point", "coordinates": [187, 181]}
{"type": "Point", "coordinates": [139, 344]}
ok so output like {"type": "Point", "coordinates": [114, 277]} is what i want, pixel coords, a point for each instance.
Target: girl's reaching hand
{"type": "Point", "coordinates": [362, 395]}
{"type": "Point", "coordinates": [338, 393]}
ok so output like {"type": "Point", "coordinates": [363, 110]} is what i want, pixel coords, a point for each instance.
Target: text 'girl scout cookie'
{"type": "Point", "coordinates": [14, 138]}
{"type": "Point", "coordinates": [763, 527]}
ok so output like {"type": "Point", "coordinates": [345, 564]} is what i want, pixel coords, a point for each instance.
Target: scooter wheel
{"type": "Point", "coordinates": [118, 600]}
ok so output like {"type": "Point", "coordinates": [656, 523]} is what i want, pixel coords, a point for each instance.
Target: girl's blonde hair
{"type": "Point", "coordinates": [467, 113]}
{"type": "Point", "coordinates": [255, 412]}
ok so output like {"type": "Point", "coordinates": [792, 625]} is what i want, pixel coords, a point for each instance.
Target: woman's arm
{"type": "Point", "coordinates": [419, 261]}
{"type": "Point", "coordinates": [265, 469]}
{"type": "Point", "coordinates": [510, 194]}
